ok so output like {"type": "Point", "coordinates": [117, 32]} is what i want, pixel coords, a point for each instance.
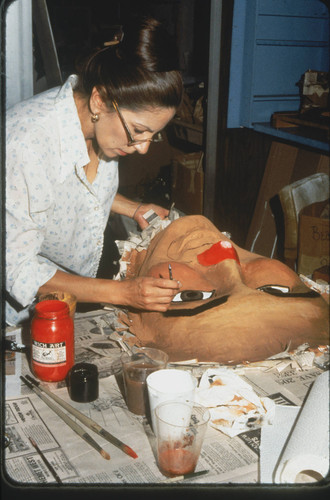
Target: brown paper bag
{"type": "Point", "coordinates": [313, 247]}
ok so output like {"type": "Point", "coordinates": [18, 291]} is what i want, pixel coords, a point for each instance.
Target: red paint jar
{"type": "Point", "coordinates": [52, 332]}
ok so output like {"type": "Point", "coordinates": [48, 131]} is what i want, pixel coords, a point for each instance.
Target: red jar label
{"type": "Point", "coordinates": [53, 353]}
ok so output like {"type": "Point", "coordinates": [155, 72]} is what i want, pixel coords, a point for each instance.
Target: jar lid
{"type": "Point", "coordinates": [49, 308]}
{"type": "Point", "coordinates": [83, 383]}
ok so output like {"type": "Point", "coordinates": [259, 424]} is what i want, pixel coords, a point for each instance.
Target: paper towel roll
{"type": "Point", "coordinates": [305, 457]}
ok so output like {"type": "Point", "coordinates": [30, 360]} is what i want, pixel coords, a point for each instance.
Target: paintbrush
{"type": "Point", "coordinates": [191, 475]}
{"type": "Point", "coordinates": [91, 424]}
{"type": "Point", "coordinates": [48, 464]}
{"type": "Point", "coordinates": [71, 423]}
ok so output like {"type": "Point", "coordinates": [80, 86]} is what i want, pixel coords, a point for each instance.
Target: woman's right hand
{"type": "Point", "coordinates": [148, 293]}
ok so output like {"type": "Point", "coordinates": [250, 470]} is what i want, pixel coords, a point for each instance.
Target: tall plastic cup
{"type": "Point", "coordinates": [180, 433]}
{"type": "Point", "coordinates": [169, 385]}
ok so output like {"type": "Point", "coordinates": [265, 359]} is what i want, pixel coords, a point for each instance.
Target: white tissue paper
{"type": "Point", "coordinates": [233, 405]}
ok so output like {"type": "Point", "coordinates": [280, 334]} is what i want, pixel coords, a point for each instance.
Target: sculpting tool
{"type": "Point", "coordinates": [118, 338]}
{"type": "Point", "coordinates": [170, 271]}
{"type": "Point", "coordinates": [71, 423]}
{"type": "Point", "coordinates": [192, 475]}
{"type": "Point", "coordinates": [91, 424]}
{"type": "Point", "coordinates": [48, 464]}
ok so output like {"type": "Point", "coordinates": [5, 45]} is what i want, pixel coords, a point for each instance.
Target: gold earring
{"type": "Point", "coordinates": [95, 118]}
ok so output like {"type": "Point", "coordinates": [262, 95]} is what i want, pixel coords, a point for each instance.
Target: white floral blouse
{"type": "Point", "coordinates": [55, 219]}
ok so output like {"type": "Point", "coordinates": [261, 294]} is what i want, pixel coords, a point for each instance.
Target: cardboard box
{"type": "Point", "coordinates": [189, 132]}
{"type": "Point", "coordinates": [313, 249]}
{"type": "Point", "coordinates": [188, 183]}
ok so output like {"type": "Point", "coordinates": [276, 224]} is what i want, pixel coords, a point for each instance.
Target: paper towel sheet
{"type": "Point", "coordinates": [273, 439]}
{"type": "Point", "coordinates": [305, 454]}
{"type": "Point", "coordinates": [234, 406]}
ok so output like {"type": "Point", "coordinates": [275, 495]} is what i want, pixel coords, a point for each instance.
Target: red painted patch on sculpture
{"type": "Point", "coordinates": [216, 253]}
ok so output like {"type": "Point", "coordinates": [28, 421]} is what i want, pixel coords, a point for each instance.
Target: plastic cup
{"type": "Point", "coordinates": [169, 385]}
{"type": "Point", "coordinates": [180, 433]}
{"type": "Point", "coordinates": [69, 298]}
{"type": "Point", "coordinates": [136, 368]}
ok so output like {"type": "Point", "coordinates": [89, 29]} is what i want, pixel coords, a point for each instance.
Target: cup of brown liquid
{"type": "Point", "coordinates": [181, 426]}
{"type": "Point", "coordinates": [135, 368]}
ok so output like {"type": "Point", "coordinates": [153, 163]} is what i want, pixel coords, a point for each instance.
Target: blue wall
{"type": "Point", "coordinates": [273, 43]}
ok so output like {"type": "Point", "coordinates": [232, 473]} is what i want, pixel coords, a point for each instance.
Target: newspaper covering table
{"type": "Point", "coordinates": [228, 459]}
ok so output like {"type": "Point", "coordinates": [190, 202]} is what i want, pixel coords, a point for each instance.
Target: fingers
{"type": "Point", "coordinates": [142, 209]}
{"type": "Point", "coordinates": [167, 283]}
{"type": "Point", "coordinates": [154, 294]}
{"type": "Point", "coordinates": [158, 289]}
{"type": "Point", "coordinates": [161, 211]}
{"type": "Point", "coordinates": [141, 221]}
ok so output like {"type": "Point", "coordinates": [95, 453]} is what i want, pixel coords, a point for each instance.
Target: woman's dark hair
{"type": "Point", "coordinates": [140, 71]}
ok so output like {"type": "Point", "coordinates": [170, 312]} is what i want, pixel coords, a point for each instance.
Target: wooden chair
{"type": "Point", "coordinates": [294, 198]}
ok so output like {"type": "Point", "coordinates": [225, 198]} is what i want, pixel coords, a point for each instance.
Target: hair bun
{"type": "Point", "coordinates": [147, 44]}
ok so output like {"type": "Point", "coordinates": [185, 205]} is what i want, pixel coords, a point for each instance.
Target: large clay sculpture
{"type": "Point", "coordinates": [234, 305]}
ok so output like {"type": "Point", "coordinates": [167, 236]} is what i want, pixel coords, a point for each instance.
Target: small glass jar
{"type": "Point", "coordinates": [52, 332]}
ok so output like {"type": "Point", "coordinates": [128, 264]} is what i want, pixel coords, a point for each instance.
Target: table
{"type": "Point", "coordinates": [229, 460]}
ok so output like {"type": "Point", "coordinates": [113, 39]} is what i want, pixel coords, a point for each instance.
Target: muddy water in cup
{"type": "Point", "coordinates": [136, 368]}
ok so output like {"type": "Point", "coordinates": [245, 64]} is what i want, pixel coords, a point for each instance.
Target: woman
{"type": "Point", "coordinates": [62, 149]}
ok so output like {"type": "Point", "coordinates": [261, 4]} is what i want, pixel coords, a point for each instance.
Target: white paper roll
{"type": "Point", "coordinates": [305, 457]}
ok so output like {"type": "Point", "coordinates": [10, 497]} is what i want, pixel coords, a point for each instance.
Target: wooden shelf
{"type": "Point", "coordinates": [294, 119]}
{"type": "Point", "coordinates": [307, 136]}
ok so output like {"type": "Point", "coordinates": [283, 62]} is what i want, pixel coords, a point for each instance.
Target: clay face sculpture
{"type": "Point", "coordinates": [219, 315]}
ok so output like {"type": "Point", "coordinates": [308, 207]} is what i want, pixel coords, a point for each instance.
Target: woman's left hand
{"type": "Point", "coordinates": [144, 208]}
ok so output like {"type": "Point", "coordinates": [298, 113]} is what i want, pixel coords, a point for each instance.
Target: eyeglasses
{"type": "Point", "coordinates": [130, 139]}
